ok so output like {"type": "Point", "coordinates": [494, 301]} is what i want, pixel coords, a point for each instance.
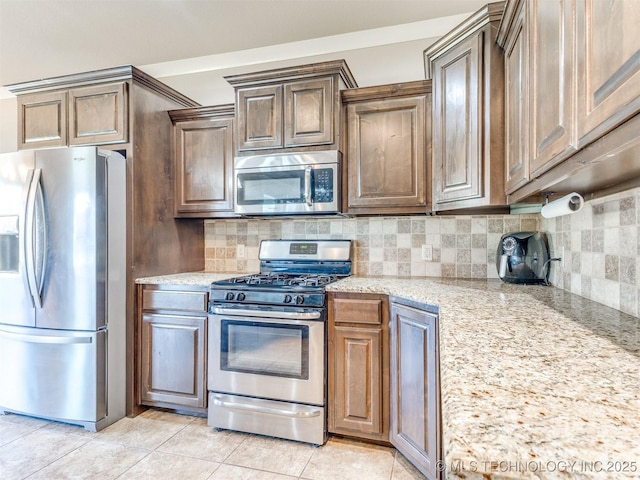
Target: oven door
{"type": "Point", "coordinates": [268, 353]}
{"type": "Point", "coordinates": [287, 190]}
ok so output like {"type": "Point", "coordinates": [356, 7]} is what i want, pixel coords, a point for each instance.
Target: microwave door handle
{"type": "Point", "coordinates": [307, 186]}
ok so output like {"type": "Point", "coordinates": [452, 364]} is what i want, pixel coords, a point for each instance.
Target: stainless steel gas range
{"type": "Point", "coordinates": [267, 341]}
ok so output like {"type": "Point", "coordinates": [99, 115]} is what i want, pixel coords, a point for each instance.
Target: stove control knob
{"type": "Point", "coordinates": [287, 299]}
{"type": "Point", "coordinates": [229, 296]}
{"type": "Point", "coordinates": [299, 299]}
{"type": "Point", "coordinates": [241, 297]}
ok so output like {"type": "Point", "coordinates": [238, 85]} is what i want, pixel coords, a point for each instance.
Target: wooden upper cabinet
{"type": "Point", "coordinates": [583, 86]}
{"type": "Point", "coordinates": [388, 148]}
{"type": "Point", "coordinates": [308, 112]}
{"type": "Point", "coordinates": [290, 108]}
{"type": "Point", "coordinates": [203, 160]}
{"type": "Point", "coordinates": [93, 115]}
{"type": "Point", "coordinates": [552, 71]}
{"type": "Point", "coordinates": [260, 120]}
{"type": "Point", "coordinates": [467, 70]}
{"type": "Point", "coordinates": [538, 40]}
{"type": "Point", "coordinates": [608, 54]}
{"type": "Point", "coordinates": [516, 97]}
{"type": "Point", "coordinates": [457, 153]}
{"type": "Point", "coordinates": [98, 115]}
{"type": "Point", "coordinates": [42, 120]}
{"type": "Point", "coordinates": [93, 108]}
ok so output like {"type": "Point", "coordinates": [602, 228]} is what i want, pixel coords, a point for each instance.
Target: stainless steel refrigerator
{"type": "Point", "coordinates": [63, 285]}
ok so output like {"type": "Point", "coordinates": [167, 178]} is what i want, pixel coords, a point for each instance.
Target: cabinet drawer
{"type": "Point", "coordinates": [349, 310]}
{"type": "Point", "coordinates": [184, 301]}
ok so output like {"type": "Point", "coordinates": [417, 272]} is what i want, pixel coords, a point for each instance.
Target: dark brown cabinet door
{"type": "Point", "coordinates": [308, 113]}
{"type": "Point", "coordinates": [358, 386]}
{"type": "Point", "coordinates": [457, 146]}
{"type": "Point", "coordinates": [42, 120]}
{"type": "Point", "coordinates": [415, 394]}
{"type": "Point", "coordinates": [387, 155]}
{"type": "Point", "coordinates": [291, 108]}
{"type": "Point", "coordinates": [467, 69]}
{"type": "Point", "coordinates": [358, 403]}
{"type": "Point", "coordinates": [204, 167]}
{"type": "Point", "coordinates": [172, 347]}
{"type": "Point", "coordinates": [173, 359]}
{"type": "Point", "coordinates": [608, 53]}
{"type": "Point", "coordinates": [98, 115]}
{"type": "Point", "coordinates": [92, 115]}
{"type": "Point", "coordinates": [552, 83]}
{"type": "Point", "coordinates": [260, 117]}
{"type": "Point", "coordinates": [516, 74]}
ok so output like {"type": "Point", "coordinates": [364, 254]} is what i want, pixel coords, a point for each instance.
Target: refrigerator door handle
{"type": "Point", "coordinates": [35, 246]}
{"type": "Point", "coordinates": [44, 338]}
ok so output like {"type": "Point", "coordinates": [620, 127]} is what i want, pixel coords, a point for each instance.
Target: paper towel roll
{"type": "Point", "coordinates": [571, 203]}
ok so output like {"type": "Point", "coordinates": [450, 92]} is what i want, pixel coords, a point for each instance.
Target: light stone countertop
{"type": "Point", "coordinates": [196, 279]}
{"type": "Point", "coordinates": [536, 382]}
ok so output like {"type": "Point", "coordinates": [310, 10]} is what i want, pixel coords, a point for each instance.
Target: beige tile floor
{"type": "Point", "coordinates": [159, 445]}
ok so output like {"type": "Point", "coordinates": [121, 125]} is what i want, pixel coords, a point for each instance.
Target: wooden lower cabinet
{"type": "Point", "coordinates": [415, 392]}
{"type": "Point", "coordinates": [358, 386]}
{"type": "Point", "coordinates": [172, 336]}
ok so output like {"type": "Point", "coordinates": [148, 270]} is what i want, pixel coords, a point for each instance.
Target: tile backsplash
{"type": "Point", "coordinates": [462, 246]}
{"type": "Point", "coordinates": [600, 245]}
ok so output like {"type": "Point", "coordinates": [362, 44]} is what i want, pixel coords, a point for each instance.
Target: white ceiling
{"type": "Point", "coordinates": [191, 44]}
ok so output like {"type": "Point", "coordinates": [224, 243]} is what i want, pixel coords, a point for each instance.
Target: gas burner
{"type": "Point", "coordinates": [310, 280]}
{"type": "Point", "coordinates": [261, 279]}
{"type": "Point", "coordinates": [277, 279]}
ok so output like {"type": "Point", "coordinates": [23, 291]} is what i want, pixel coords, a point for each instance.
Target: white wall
{"type": "Point", "coordinates": [8, 125]}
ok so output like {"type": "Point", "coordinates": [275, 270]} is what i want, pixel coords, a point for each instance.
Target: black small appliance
{"type": "Point", "coordinates": [523, 257]}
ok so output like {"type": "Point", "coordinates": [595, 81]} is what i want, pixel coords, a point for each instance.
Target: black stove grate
{"type": "Point", "coordinates": [277, 279]}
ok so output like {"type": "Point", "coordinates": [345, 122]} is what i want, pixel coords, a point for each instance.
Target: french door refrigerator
{"type": "Point", "coordinates": [63, 285]}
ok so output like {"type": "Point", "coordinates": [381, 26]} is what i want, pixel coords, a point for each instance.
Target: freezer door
{"type": "Point", "coordinates": [54, 374]}
{"type": "Point", "coordinates": [16, 172]}
{"type": "Point", "coordinates": [71, 233]}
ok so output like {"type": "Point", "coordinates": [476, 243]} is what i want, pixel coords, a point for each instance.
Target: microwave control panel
{"type": "Point", "coordinates": [323, 185]}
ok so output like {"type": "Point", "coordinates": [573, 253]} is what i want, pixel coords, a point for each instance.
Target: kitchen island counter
{"type": "Point", "coordinates": [536, 382]}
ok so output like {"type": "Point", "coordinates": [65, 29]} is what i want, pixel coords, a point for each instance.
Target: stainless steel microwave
{"type": "Point", "coordinates": [288, 183]}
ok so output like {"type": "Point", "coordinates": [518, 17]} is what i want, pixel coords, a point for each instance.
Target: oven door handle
{"type": "Point", "coordinates": [218, 401]}
{"type": "Point", "coordinates": [266, 314]}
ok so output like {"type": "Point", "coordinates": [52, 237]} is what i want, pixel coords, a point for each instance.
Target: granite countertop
{"type": "Point", "coordinates": [197, 279]}
{"type": "Point", "coordinates": [536, 382]}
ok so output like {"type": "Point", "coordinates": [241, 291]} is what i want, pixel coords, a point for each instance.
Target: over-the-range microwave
{"type": "Point", "coordinates": [288, 183]}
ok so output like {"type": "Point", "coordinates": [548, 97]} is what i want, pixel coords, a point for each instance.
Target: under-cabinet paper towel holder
{"type": "Point", "coordinates": [570, 203]}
